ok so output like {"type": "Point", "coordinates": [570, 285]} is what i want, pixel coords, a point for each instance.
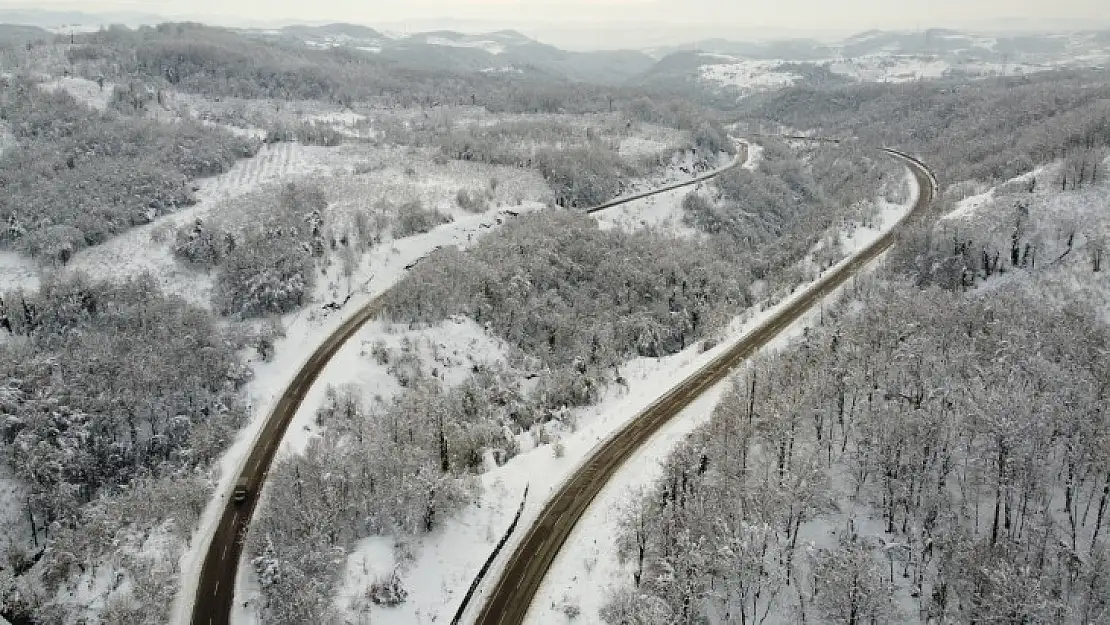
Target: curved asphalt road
{"type": "Point", "coordinates": [528, 564]}
{"type": "Point", "coordinates": [216, 587]}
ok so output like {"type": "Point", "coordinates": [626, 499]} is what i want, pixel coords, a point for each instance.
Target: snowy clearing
{"type": "Point", "coordinates": [13, 494]}
{"type": "Point", "coordinates": [146, 248]}
{"type": "Point", "coordinates": [489, 46]}
{"type": "Point", "coordinates": [83, 90]}
{"type": "Point", "coordinates": [747, 74]}
{"type": "Point", "coordinates": [908, 68]}
{"type": "Point", "coordinates": [662, 211]}
{"type": "Point", "coordinates": [17, 272]}
{"type": "Point", "coordinates": [446, 351]}
{"type": "Point", "coordinates": [755, 156]}
{"type": "Point", "coordinates": [7, 140]}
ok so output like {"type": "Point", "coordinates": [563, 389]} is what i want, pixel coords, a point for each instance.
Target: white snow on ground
{"type": "Point", "coordinates": [855, 237]}
{"type": "Point", "coordinates": [343, 118]}
{"type": "Point", "coordinates": [971, 205]}
{"type": "Point", "coordinates": [1057, 220]}
{"type": "Point", "coordinates": [489, 46]}
{"type": "Point", "coordinates": [748, 74]}
{"type": "Point", "coordinates": [446, 351]}
{"type": "Point", "coordinates": [95, 586]}
{"type": "Point", "coordinates": [86, 91]}
{"type": "Point", "coordinates": [587, 568]}
{"type": "Point", "coordinates": [662, 212]}
{"type": "Point", "coordinates": [7, 140]}
{"type": "Point", "coordinates": [634, 147]}
{"type": "Point", "coordinates": [17, 272]}
{"type": "Point", "coordinates": [908, 68]}
{"type": "Point", "coordinates": [890, 68]}
{"type": "Point", "coordinates": [14, 525]}
{"type": "Point", "coordinates": [755, 156]}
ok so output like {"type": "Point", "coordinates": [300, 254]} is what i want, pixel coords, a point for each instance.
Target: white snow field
{"type": "Point", "coordinates": [664, 210]}
{"type": "Point", "coordinates": [747, 74]}
{"type": "Point", "coordinates": [6, 138]}
{"type": "Point", "coordinates": [83, 90]}
{"type": "Point", "coordinates": [17, 271]}
{"type": "Point", "coordinates": [489, 46]}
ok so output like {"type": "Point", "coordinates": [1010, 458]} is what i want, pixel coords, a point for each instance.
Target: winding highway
{"type": "Point", "coordinates": [515, 589]}
{"type": "Point", "coordinates": [215, 590]}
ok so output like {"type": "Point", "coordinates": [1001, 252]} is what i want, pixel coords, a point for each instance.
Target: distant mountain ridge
{"type": "Point", "coordinates": [928, 41]}
{"type": "Point", "coordinates": [497, 51]}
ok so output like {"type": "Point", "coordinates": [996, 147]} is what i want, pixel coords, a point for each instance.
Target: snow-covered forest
{"type": "Point", "coordinates": [178, 200]}
{"type": "Point", "coordinates": [187, 212]}
{"type": "Point", "coordinates": [934, 450]}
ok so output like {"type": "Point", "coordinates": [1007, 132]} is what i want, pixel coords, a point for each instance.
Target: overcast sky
{"type": "Point", "coordinates": [716, 17]}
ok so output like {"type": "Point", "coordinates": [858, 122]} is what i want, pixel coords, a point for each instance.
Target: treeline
{"type": "Point", "coordinates": [77, 177]}
{"type": "Point", "coordinates": [577, 297]}
{"type": "Point", "coordinates": [268, 267]}
{"type": "Point", "coordinates": [110, 393]}
{"type": "Point", "coordinates": [936, 457]}
{"type": "Point", "coordinates": [989, 130]}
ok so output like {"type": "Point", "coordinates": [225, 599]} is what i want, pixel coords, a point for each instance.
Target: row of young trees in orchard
{"type": "Point", "coordinates": [931, 457]}
{"type": "Point", "coordinates": [76, 177]}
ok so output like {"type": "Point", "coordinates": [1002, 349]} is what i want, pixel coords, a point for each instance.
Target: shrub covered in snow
{"type": "Point", "coordinates": [472, 201]}
{"type": "Point", "coordinates": [388, 592]}
{"type": "Point", "coordinates": [269, 267]}
{"type": "Point", "coordinates": [413, 218]}
{"type": "Point", "coordinates": [582, 177]}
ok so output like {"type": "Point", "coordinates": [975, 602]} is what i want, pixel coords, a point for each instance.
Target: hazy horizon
{"type": "Point", "coordinates": [604, 23]}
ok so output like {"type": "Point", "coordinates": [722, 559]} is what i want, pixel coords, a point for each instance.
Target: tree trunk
{"type": "Point", "coordinates": [998, 493]}
{"type": "Point", "coordinates": [1101, 512]}
{"type": "Point", "coordinates": [34, 532]}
